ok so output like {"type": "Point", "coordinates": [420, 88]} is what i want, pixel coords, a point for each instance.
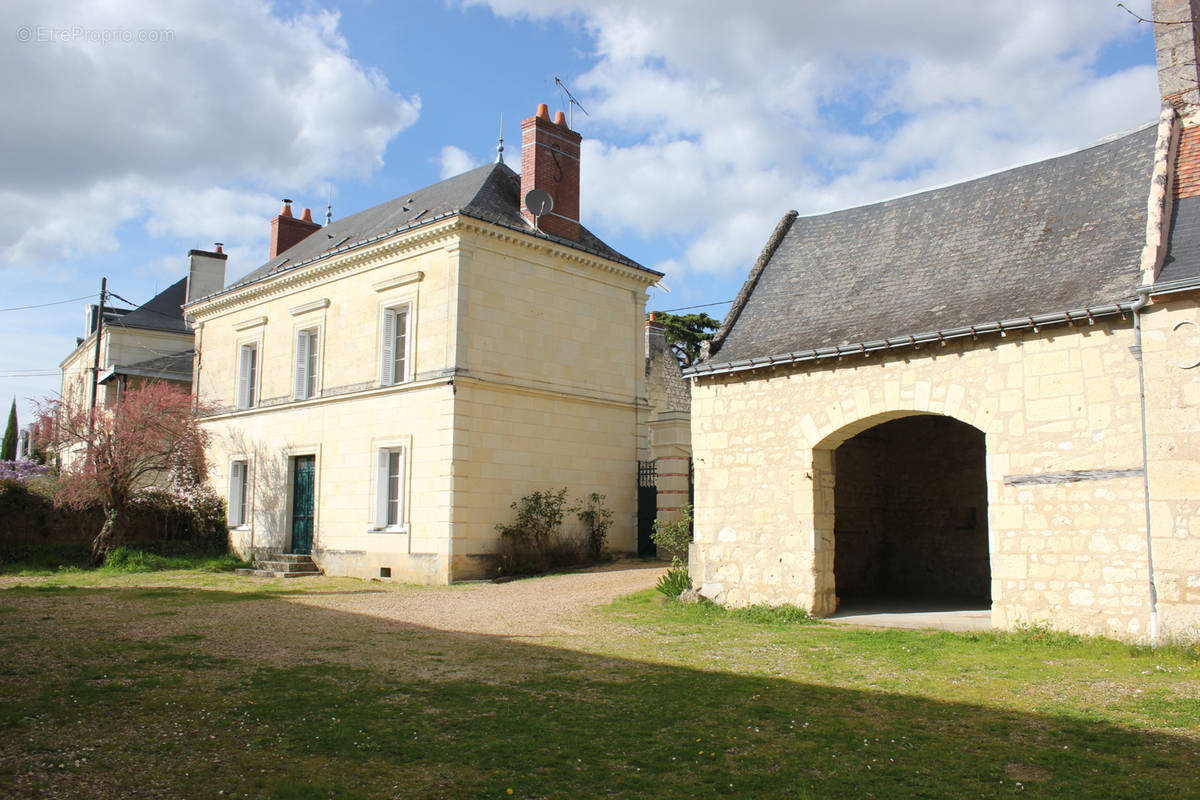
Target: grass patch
{"type": "Point", "coordinates": [207, 686]}
{"type": "Point", "coordinates": [122, 560]}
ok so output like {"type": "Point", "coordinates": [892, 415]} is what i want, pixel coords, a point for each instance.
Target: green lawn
{"type": "Point", "coordinates": [207, 686]}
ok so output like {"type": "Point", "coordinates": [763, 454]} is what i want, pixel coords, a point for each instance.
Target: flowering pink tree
{"type": "Point", "coordinates": [149, 435]}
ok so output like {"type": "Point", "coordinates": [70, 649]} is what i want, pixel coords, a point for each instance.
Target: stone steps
{"type": "Point", "coordinates": [281, 565]}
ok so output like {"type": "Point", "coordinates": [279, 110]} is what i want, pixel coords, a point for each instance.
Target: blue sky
{"type": "Point", "coordinates": [135, 132]}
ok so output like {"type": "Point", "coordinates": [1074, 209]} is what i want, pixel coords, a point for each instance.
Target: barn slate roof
{"type": "Point", "coordinates": [1182, 264]}
{"type": "Point", "coordinates": [490, 193]}
{"type": "Point", "coordinates": [1061, 234]}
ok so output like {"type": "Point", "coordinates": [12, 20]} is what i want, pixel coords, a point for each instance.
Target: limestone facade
{"type": "Point", "coordinates": [523, 373]}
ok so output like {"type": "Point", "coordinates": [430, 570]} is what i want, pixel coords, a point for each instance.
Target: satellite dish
{"type": "Point", "coordinates": [539, 202]}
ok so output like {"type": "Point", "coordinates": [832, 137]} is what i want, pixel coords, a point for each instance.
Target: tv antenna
{"type": "Point", "coordinates": [571, 102]}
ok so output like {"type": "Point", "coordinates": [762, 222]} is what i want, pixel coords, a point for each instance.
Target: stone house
{"type": "Point", "coordinates": [387, 385]}
{"type": "Point", "coordinates": [151, 342]}
{"type": "Point", "coordinates": [982, 394]}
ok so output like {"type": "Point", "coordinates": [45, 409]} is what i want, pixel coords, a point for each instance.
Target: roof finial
{"type": "Point", "coordinates": [329, 207]}
{"type": "Point", "coordinates": [500, 146]}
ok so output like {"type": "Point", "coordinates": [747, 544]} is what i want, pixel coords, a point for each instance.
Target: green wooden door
{"type": "Point", "coordinates": [303, 468]}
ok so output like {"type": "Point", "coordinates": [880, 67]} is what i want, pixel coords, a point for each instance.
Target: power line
{"type": "Point", "coordinates": [689, 308]}
{"type": "Point", "coordinates": [55, 303]}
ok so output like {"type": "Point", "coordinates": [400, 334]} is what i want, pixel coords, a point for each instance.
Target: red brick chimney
{"type": "Point", "coordinates": [287, 231]}
{"type": "Point", "coordinates": [550, 162]}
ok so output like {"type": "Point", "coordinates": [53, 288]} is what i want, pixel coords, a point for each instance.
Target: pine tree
{"type": "Point", "coordinates": [8, 451]}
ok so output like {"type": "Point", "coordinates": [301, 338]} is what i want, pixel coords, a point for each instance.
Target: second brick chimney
{"type": "Point", "coordinates": [550, 162]}
{"type": "Point", "coordinates": [287, 231]}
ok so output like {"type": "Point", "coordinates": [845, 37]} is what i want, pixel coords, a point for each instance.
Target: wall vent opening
{"type": "Point", "coordinates": [385, 572]}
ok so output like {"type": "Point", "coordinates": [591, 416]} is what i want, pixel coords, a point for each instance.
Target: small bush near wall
{"type": "Point", "coordinates": [673, 538]}
{"type": "Point", "coordinates": [534, 542]}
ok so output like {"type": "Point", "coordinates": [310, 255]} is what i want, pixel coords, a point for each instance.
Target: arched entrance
{"type": "Point", "coordinates": [909, 519]}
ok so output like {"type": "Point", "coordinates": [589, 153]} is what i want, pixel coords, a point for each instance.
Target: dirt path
{"type": "Point", "coordinates": [530, 608]}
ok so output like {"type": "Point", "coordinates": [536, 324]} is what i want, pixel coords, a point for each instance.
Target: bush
{"type": "Point", "coordinates": [673, 538]}
{"type": "Point", "coordinates": [525, 545]}
{"type": "Point", "coordinates": [674, 582]}
{"type": "Point", "coordinates": [534, 542]}
{"type": "Point", "coordinates": [596, 521]}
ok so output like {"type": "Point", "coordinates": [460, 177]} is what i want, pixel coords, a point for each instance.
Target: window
{"type": "Point", "coordinates": [389, 501]}
{"type": "Point", "coordinates": [247, 375]}
{"type": "Point", "coordinates": [306, 364]}
{"type": "Point", "coordinates": [394, 366]}
{"type": "Point", "coordinates": [238, 481]}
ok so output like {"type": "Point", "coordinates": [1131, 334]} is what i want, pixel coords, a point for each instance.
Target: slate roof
{"type": "Point", "coordinates": [163, 312]}
{"type": "Point", "coordinates": [1183, 252]}
{"type": "Point", "coordinates": [1061, 234]}
{"type": "Point", "coordinates": [489, 193]}
{"type": "Point", "coordinates": [174, 366]}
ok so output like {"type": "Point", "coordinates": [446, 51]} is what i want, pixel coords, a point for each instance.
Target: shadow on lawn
{"type": "Point", "coordinates": [358, 706]}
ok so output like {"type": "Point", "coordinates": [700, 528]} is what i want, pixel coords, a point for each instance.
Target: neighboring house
{"type": "Point", "coordinates": [936, 397]}
{"type": "Point", "coordinates": [387, 385]}
{"type": "Point", "coordinates": [150, 342]}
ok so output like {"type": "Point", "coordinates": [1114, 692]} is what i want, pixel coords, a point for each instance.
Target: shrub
{"type": "Point", "coordinates": [596, 521]}
{"type": "Point", "coordinates": [673, 538]}
{"type": "Point", "coordinates": [539, 515]}
{"type": "Point", "coordinates": [674, 582]}
{"type": "Point", "coordinates": [526, 543]}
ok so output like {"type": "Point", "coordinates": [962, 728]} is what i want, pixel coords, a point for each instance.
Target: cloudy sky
{"type": "Point", "coordinates": [136, 131]}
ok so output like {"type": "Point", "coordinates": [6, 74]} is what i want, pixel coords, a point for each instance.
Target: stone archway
{"type": "Point", "coordinates": [901, 513]}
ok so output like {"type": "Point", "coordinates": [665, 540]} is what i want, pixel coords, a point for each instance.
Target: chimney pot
{"type": "Point", "coordinates": [543, 111]}
{"type": "Point", "coordinates": [219, 245]}
{"type": "Point", "coordinates": [287, 230]}
{"type": "Point", "coordinates": [560, 118]}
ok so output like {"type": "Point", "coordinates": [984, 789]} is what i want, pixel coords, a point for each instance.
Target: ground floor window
{"type": "Point", "coordinates": [389, 501]}
{"type": "Point", "coordinates": [238, 474]}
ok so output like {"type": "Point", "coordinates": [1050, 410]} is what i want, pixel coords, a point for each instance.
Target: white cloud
{"type": "Point", "coordinates": [99, 133]}
{"type": "Point", "coordinates": [710, 119]}
{"type": "Point", "coordinates": [455, 161]}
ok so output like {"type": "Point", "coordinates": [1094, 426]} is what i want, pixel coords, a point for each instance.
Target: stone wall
{"type": "Point", "coordinates": [1062, 425]}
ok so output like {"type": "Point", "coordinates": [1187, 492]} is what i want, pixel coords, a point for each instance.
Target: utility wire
{"type": "Point", "coordinates": [689, 308]}
{"type": "Point", "coordinates": [55, 303]}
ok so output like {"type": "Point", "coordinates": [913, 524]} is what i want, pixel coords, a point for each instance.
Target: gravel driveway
{"type": "Point", "coordinates": [529, 608]}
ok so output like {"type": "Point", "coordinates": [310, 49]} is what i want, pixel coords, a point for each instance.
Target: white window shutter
{"type": "Point", "coordinates": [299, 390]}
{"type": "Point", "coordinates": [386, 377]}
{"type": "Point", "coordinates": [237, 488]}
{"type": "Point", "coordinates": [381, 490]}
